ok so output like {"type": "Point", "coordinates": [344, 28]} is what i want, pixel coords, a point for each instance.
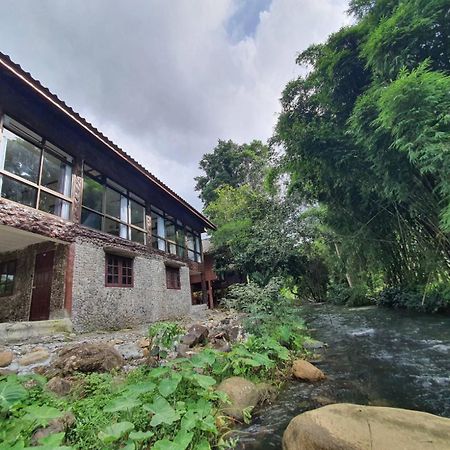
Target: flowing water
{"type": "Point", "coordinates": [375, 356]}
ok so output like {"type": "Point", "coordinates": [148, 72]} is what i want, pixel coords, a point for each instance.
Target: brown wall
{"type": "Point", "coordinates": [16, 307]}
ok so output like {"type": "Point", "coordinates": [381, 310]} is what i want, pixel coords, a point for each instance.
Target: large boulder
{"type": "Point", "coordinates": [353, 427]}
{"type": "Point", "coordinates": [305, 371]}
{"type": "Point", "coordinates": [242, 394]}
{"type": "Point", "coordinates": [34, 357]}
{"type": "Point", "coordinates": [6, 358]}
{"type": "Point", "coordinates": [87, 358]}
{"type": "Point", "coordinates": [197, 334]}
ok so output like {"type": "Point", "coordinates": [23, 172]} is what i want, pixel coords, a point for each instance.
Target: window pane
{"type": "Point", "coordinates": [93, 194]}
{"type": "Point", "coordinates": [18, 192]}
{"type": "Point", "coordinates": [54, 205]}
{"type": "Point", "coordinates": [190, 241]}
{"type": "Point", "coordinates": [91, 219]}
{"type": "Point", "coordinates": [21, 157]}
{"type": "Point", "coordinates": [113, 202]}
{"type": "Point", "coordinates": [170, 231]}
{"type": "Point", "coordinates": [137, 236]}
{"type": "Point", "coordinates": [56, 174]}
{"type": "Point", "coordinates": [112, 227]}
{"type": "Point", "coordinates": [137, 214]}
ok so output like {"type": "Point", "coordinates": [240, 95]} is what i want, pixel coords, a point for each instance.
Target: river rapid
{"type": "Point", "coordinates": [374, 356]}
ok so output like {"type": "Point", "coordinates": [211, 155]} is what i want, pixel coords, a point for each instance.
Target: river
{"type": "Point", "coordinates": [374, 356]}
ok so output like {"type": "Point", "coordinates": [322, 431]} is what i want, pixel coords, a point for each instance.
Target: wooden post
{"type": "Point", "coordinates": [77, 190]}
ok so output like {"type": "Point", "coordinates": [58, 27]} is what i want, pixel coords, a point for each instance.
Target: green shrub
{"type": "Point", "coordinates": [342, 294]}
{"type": "Point", "coordinates": [435, 299]}
{"type": "Point", "coordinates": [164, 336]}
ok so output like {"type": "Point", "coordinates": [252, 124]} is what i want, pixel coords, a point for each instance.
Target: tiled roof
{"type": "Point", "coordinates": [20, 73]}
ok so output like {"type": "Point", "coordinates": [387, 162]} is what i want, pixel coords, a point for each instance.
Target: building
{"type": "Point", "coordinates": [86, 232]}
{"type": "Point", "coordinates": [215, 285]}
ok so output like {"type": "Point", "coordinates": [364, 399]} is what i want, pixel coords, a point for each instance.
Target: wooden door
{"type": "Point", "coordinates": [42, 286]}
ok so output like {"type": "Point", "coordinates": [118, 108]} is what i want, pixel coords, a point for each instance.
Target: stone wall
{"type": "Point", "coordinates": [16, 307]}
{"type": "Point", "coordinates": [96, 307]}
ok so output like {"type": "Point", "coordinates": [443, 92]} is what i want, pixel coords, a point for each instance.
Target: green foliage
{"type": "Point", "coordinates": [232, 165]}
{"type": "Point", "coordinates": [431, 300]}
{"type": "Point", "coordinates": [342, 294]}
{"type": "Point", "coordinates": [366, 134]}
{"type": "Point", "coordinates": [164, 336]}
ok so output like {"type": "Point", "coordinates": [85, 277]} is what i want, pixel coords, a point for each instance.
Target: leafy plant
{"type": "Point", "coordinates": [163, 337]}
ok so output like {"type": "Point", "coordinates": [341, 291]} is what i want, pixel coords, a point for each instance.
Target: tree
{"type": "Point", "coordinates": [231, 164]}
{"type": "Point", "coordinates": [366, 133]}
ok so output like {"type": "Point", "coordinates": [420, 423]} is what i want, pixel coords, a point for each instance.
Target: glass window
{"type": "Point", "coordinates": [21, 157]}
{"type": "Point", "coordinates": [54, 205]}
{"type": "Point", "coordinates": [119, 271]}
{"type": "Point", "coordinates": [17, 191]}
{"type": "Point", "coordinates": [7, 276]}
{"type": "Point", "coordinates": [56, 174]}
{"type": "Point", "coordinates": [93, 194]}
{"type": "Point", "coordinates": [91, 219]}
{"type": "Point", "coordinates": [173, 278]}
{"type": "Point", "coordinates": [137, 212]}
{"type": "Point", "coordinates": [137, 236]}
{"type": "Point", "coordinates": [112, 227]}
{"type": "Point", "coordinates": [39, 167]}
{"type": "Point", "coordinates": [119, 215]}
{"type": "Point", "coordinates": [113, 202]}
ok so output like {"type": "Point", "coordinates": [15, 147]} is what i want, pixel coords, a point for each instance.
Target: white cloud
{"type": "Point", "coordinates": [163, 79]}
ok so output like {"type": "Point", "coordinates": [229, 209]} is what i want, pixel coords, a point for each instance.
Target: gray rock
{"type": "Point", "coordinates": [313, 345]}
{"type": "Point", "coordinates": [182, 350]}
{"type": "Point", "coordinates": [197, 334]}
{"type": "Point", "coordinates": [130, 351]}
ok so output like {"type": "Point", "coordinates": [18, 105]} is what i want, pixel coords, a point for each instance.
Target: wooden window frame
{"type": "Point", "coordinates": [121, 274]}
{"type": "Point", "coordinates": [173, 278]}
{"type": "Point", "coordinates": [44, 147]}
{"type": "Point", "coordinates": [109, 183]}
{"type": "Point", "coordinates": [4, 271]}
{"type": "Point", "coordinates": [181, 250]}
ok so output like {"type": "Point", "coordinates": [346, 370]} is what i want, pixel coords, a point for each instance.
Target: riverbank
{"type": "Point", "coordinates": [375, 356]}
{"type": "Point", "coordinates": [168, 397]}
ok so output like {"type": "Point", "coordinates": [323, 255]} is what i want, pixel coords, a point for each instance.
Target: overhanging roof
{"type": "Point", "coordinates": [53, 99]}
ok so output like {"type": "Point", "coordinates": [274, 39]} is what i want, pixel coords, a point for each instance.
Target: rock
{"type": "Point", "coordinates": [234, 333]}
{"type": "Point", "coordinates": [6, 372]}
{"type": "Point", "coordinates": [304, 370]}
{"type": "Point", "coordinates": [34, 357]}
{"type": "Point", "coordinates": [6, 358]}
{"type": "Point", "coordinates": [60, 386]}
{"type": "Point", "coordinates": [322, 400]}
{"type": "Point", "coordinates": [267, 393]}
{"type": "Point", "coordinates": [354, 427]}
{"type": "Point", "coordinates": [54, 426]}
{"type": "Point", "coordinates": [129, 351]}
{"type": "Point", "coordinates": [87, 358]}
{"type": "Point", "coordinates": [197, 334]}
{"type": "Point", "coordinates": [221, 345]}
{"type": "Point", "coordinates": [144, 342]}
{"type": "Point", "coordinates": [312, 345]}
{"type": "Point", "coordinates": [242, 394]}
{"type": "Point", "coordinates": [182, 350]}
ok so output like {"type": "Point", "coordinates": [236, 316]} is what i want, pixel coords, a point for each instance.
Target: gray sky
{"type": "Point", "coordinates": [166, 79]}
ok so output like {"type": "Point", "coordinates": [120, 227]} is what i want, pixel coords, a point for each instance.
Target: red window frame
{"type": "Point", "coordinates": [173, 280]}
{"type": "Point", "coordinates": [118, 271]}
